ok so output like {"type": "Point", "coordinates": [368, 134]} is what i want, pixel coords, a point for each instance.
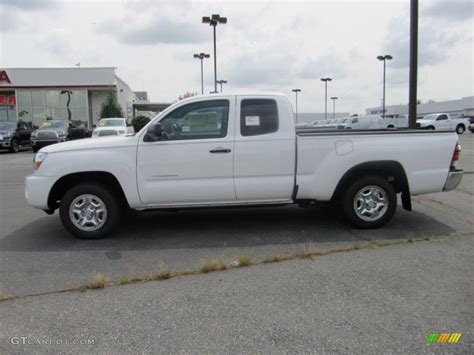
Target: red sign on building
{"type": "Point", "coordinates": [9, 100]}
{"type": "Point", "coordinates": [4, 76]}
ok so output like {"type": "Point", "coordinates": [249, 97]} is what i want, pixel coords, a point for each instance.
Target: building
{"type": "Point", "coordinates": [37, 94]}
{"type": "Point", "coordinates": [456, 108]}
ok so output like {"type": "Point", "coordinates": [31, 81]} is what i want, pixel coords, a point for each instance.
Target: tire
{"type": "Point", "coordinates": [430, 128]}
{"type": "Point", "coordinates": [15, 145]}
{"type": "Point", "coordinates": [358, 194]}
{"type": "Point", "coordinates": [89, 199]}
{"type": "Point", "coordinates": [460, 129]}
{"type": "Point", "coordinates": [390, 126]}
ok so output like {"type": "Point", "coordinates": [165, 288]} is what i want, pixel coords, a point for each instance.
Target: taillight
{"type": "Point", "coordinates": [457, 152]}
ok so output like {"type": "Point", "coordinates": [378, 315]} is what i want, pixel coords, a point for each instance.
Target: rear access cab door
{"type": "Point", "coordinates": [264, 149]}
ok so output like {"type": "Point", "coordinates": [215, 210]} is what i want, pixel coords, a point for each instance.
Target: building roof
{"type": "Point", "coordinates": [20, 78]}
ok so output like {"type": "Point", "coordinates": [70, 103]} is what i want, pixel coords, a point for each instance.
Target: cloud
{"type": "Point", "coordinates": [435, 42]}
{"type": "Point", "coordinates": [28, 5]}
{"type": "Point", "coordinates": [160, 31]}
{"type": "Point", "coordinates": [327, 64]}
{"type": "Point", "coordinates": [452, 10]}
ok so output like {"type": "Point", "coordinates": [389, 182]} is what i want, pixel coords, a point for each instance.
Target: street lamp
{"type": "Point", "coordinates": [213, 21]}
{"type": "Point", "coordinates": [326, 96]}
{"type": "Point", "coordinates": [201, 56]}
{"type": "Point", "coordinates": [334, 98]}
{"type": "Point", "coordinates": [384, 58]}
{"type": "Point", "coordinates": [296, 91]}
{"type": "Point", "coordinates": [221, 82]}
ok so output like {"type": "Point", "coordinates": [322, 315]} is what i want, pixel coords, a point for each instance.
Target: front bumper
{"type": "Point", "coordinates": [37, 190]}
{"type": "Point", "coordinates": [5, 144]}
{"type": "Point", "coordinates": [453, 180]}
{"type": "Point", "coordinates": [45, 142]}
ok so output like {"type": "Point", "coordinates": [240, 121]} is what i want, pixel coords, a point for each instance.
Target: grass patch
{"type": "Point", "coordinates": [244, 260]}
{"type": "Point", "coordinates": [160, 273]}
{"type": "Point", "coordinates": [97, 282]}
{"type": "Point", "coordinates": [275, 258]}
{"type": "Point", "coordinates": [213, 265]}
{"type": "Point", "coordinates": [6, 298]}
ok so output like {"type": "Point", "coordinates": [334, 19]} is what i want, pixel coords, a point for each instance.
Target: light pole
{"type": "Point", "coordinates": [201, 56]}
{"type": "Point", "coordinates": [221, 82]}
{"type": "Point", "coordinates": [384, 58]}
{"type": "Point", "coordinates": [334, 98]}
{"type": "Point", "coordinates": [213, 21]}
{"type": "Point", "coordinates": [326, 96]}
{"type": "Point", "coordinates": [296, 91]}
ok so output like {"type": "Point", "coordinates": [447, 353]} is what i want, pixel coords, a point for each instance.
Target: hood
{"type": "Point", "coordinates": [92, 143]}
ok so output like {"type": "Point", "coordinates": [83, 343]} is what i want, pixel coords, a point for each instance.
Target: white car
{"type": "Point", "coordinates": [116, 126]}
{"type": "Point", "coordinates": [443, 122]}
{"type": "Point", "coordinates": [226, 150]}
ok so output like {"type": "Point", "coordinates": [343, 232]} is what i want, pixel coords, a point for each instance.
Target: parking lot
{"type": "Point", "coordinates": [37, 255]}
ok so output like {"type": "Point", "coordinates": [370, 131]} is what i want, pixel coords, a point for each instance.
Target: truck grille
{"type": "Point", "coordinates": [107, 132]}
{"type": "Point", "coordinates": [47, 135]}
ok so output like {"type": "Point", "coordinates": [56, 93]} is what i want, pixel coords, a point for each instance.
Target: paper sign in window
{"type": "Point", "coordinates": [252, 120]}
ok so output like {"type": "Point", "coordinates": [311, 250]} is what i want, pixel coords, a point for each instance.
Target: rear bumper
{"type": "Point", "coordinates": [453, 180]}
{"type": "Point", "coordinates": [37, 190]}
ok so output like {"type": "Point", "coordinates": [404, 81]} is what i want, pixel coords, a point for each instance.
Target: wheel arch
{"type": "Point", "coordinates": [391, 170]}
{"type": "Point", "coordinates": [67, 181]}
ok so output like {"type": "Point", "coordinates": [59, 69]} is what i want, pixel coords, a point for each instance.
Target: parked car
{"type": "Point", "coordinates": [56, 131]}
{"type": "Point", "coordinates": [13, 135]}
{"type": "Point", "coordinates": [112, 127]}
{"type": "Point", "coordinates": [226, 150]}
{"type": "Point", "coordinates": [444, 122]}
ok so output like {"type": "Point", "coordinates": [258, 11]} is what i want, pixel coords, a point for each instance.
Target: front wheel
{"type": "Point", "coordinates": [370, 202]}
{"type": "Point", "coordinates": [89, 211]}
{"type": "Point", "coordinates": [460, 129]}
{"type": "Point", "coordinates": [15, 146]}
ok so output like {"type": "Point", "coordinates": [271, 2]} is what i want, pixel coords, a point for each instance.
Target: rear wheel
{"type": "Point", "coordinates": [89, 211]}
{"type": "Point", "coordinates": [431, 128]}
{"type": "Point", "coordinates": [370, 202]}
{"type": "Point", "coordinates": [15, 145]}
{"type": "Point", "coordinates": [460, 129]}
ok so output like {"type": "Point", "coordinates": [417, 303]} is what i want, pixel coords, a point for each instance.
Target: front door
{"type": "Point", "coordinates": [192, 163]}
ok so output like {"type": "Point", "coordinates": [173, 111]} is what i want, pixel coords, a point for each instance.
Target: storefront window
{"type": "Point", "coordinates": [52, 99]}
{"type": "Point", "coordinates": [38, 98]}
{"type": "Point", "coordinates": [24, 98]}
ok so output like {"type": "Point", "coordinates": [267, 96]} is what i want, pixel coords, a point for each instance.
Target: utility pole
{"type": "Point", "coordinates": [412, 101]}
{"type": "Point", "coordinates": [201, 56]}
{"type": "Point", "coordinates": [296, 91]}
{"type": "Point", "coordinates": [326, 96]}
{"type": "Point", "coordinates": [213, 21]}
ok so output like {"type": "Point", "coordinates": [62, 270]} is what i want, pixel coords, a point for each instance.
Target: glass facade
{"type": "Point", "coordinates": [37, 106]}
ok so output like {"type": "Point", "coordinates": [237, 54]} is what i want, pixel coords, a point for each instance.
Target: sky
{"type": "Point", "coordinates": [265, 45]}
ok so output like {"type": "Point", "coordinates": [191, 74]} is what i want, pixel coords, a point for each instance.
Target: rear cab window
{"type": "Point", "coordinates": [258, 116]}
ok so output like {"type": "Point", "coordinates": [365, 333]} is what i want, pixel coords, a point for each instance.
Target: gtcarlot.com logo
{"type": "Point", "coordinates": [452, 338]}
{"type": "Point", "coordinates": [23, 340]}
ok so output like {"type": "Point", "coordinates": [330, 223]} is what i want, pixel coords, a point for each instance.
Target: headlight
{"type": "Point", "coordinates": [39, 159]}
{"type": "Point", "coordinates": [33, 134]}
{"type": "Point", "coordinates": [61, 133]}
{"type": "Point", "coordinates": [7, 135]}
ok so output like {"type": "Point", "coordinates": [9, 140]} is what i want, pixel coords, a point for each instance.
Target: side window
{"type": "Point", "coordinates": [258, 116]}
{"type": "Point", "coordinates": [355, 120]}
{"type": "Point", "coordinates": [199, 120]}
{"type": "Point", "coordinates": [442, 118]}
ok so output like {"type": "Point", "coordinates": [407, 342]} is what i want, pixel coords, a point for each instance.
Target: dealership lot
{"type": "Point", "coordinates": [37, 255]}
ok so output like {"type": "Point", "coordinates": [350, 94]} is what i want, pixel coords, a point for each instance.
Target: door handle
{"type": "Point", "coordinates": [220, 150]}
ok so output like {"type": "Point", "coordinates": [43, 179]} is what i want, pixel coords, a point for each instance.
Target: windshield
{"type": "Point", "coordinates": [430, 117]}
{"type": "Point", "coordinates": [55, 124]}
{"type": "Point", "coordinates": [111, 123]}
{"type": "Point", "coordinates": [7, 125]}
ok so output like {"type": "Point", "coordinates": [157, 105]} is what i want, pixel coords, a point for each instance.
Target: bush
{"type": "Point", "coordinates": [139, 122]}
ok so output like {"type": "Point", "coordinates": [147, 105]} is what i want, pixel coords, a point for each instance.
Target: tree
{"type": "Point", "coordinates": [111, 107]}
{"type": "Point", "coordinates": [139, 122]}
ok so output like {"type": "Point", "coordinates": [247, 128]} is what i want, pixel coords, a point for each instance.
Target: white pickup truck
{"type": "Point", "coordinates": [443, 122]}
{"type": "Point", "coordinates": [238, 150]}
